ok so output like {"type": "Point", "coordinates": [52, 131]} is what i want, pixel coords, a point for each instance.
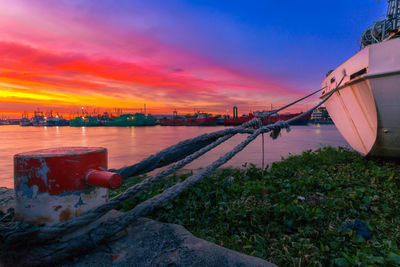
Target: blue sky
{"type": "Point", "coordinates": [295, 42]}
{"type": "Point", "coordinates": [175, 54]}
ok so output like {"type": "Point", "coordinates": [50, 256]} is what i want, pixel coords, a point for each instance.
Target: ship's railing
{"type": "Point", "coordinates": [31, 245]}
{"type": "Point", "coordinates": [383, 29]}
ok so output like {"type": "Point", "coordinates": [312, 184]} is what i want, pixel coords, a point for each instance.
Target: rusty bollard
{"type": "Point", "coordinates": [56, 184]}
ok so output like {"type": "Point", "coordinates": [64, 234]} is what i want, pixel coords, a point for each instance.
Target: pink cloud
{"type": "Point", "coordinates": [64, 53]}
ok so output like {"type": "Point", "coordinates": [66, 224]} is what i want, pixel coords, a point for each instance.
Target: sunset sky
{"type": "Point", "coordinates": [206, 55]}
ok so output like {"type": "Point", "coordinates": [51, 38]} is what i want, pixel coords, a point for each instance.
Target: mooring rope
{"type": "Point", "coordinates": [51, 231]}
{"type": "Point", "coordinates": [164, 157]}
{"type": "Point", "coordinates": [295, 102]}
{"type": "Point", "coordinates": [16, 237]}
{"type": "Point", "coordinates": [175, 153]}
{"type": "Point", "coordinates": [263, 155]}
{"type": "Point", "coordinates": [189, 146]}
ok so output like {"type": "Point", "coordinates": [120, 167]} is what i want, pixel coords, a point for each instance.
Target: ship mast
{"type": "Point", "coordinates": [394, 13]}
{"type": "Point", "coordinates": [384, 29]}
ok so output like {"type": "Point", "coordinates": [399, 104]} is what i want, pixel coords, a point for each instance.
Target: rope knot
{"type": "Point", "coordinates": [276, 129]}
{"type": "Point", "coordinates": [254, 124]}
{"type": "Point", "coordinates": [258, 124]}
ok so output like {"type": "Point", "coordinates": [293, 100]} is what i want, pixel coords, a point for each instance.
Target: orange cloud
{"type": "Point", "coordinates": [54, 62]}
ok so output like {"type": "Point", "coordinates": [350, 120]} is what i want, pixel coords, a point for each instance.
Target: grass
{"type": "Point", "coordinates": [296, 214]}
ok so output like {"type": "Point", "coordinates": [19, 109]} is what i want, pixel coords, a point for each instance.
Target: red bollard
{"type": "Point", "coordinates": [54, 185]}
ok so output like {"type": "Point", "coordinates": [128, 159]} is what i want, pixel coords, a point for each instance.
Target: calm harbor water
{"type": "Point", "coordinates": [129, 145]}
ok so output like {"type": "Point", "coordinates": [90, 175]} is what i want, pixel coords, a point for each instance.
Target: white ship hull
{"type": "Point", "coordinates": [366, 108]}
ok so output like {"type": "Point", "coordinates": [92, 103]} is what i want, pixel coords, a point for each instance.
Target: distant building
{"type": "Point", "coordinates": [321, 115]}
{"type": "Point", "coordinates": [263, 113]}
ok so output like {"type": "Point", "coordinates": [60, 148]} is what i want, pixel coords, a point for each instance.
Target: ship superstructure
{"type": "Point", "coordinates": [366, 106]}
{"type": "Point", "coordinates": [384, 29]}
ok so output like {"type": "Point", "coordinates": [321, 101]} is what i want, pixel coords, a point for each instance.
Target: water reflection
{"type": "Point", "coordinates": [128, 145]}
{"type": "Point", "coordinates": [83, 136]}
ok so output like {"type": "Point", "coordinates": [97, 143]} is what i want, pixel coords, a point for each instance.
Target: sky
{"type": "Point", "coordinates": [172, 54]}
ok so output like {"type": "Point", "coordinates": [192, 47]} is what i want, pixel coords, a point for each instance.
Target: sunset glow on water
{"type": "Point", "coordinates": [89, 57]}
{"type": "Point", "coordinates": [129, 145]}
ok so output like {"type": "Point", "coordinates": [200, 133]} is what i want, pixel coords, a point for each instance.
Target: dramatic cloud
{"type": "Point", "coordinates": [63, 56]}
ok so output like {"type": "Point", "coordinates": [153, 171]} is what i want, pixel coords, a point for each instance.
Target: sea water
{"type": "Point", "coordinates": [129, 145]}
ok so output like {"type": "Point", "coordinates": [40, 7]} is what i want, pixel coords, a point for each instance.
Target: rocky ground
{"type": "Point", "coordinates": [151, 243]}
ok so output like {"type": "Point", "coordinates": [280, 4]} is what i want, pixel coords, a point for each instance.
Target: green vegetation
{"type": "Point", "coordinates": [296, 214]}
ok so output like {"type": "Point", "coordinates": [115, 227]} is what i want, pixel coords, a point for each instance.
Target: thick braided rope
{"type": "Point", "coordinates": [174, 153]}
{"type": "Point", "coordinates": [113, 226]}
{"type": "Point", "coordinates": [108, 229]}
{"type": "Point", "coordinates": [168, 155]}
{"type": "Point", "coordinates": [48, 232]}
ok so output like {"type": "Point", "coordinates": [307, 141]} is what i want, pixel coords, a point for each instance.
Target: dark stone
{"type": "Point", "coordinates": [151, 243]}
{"type": "Point", "coordinates": [360, 228]}
{"type": "Point", "coordinates": [7, 199]}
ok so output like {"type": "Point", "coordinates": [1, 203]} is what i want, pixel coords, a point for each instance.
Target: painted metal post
{"type": "Point", "coordinates": [54, 185]}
